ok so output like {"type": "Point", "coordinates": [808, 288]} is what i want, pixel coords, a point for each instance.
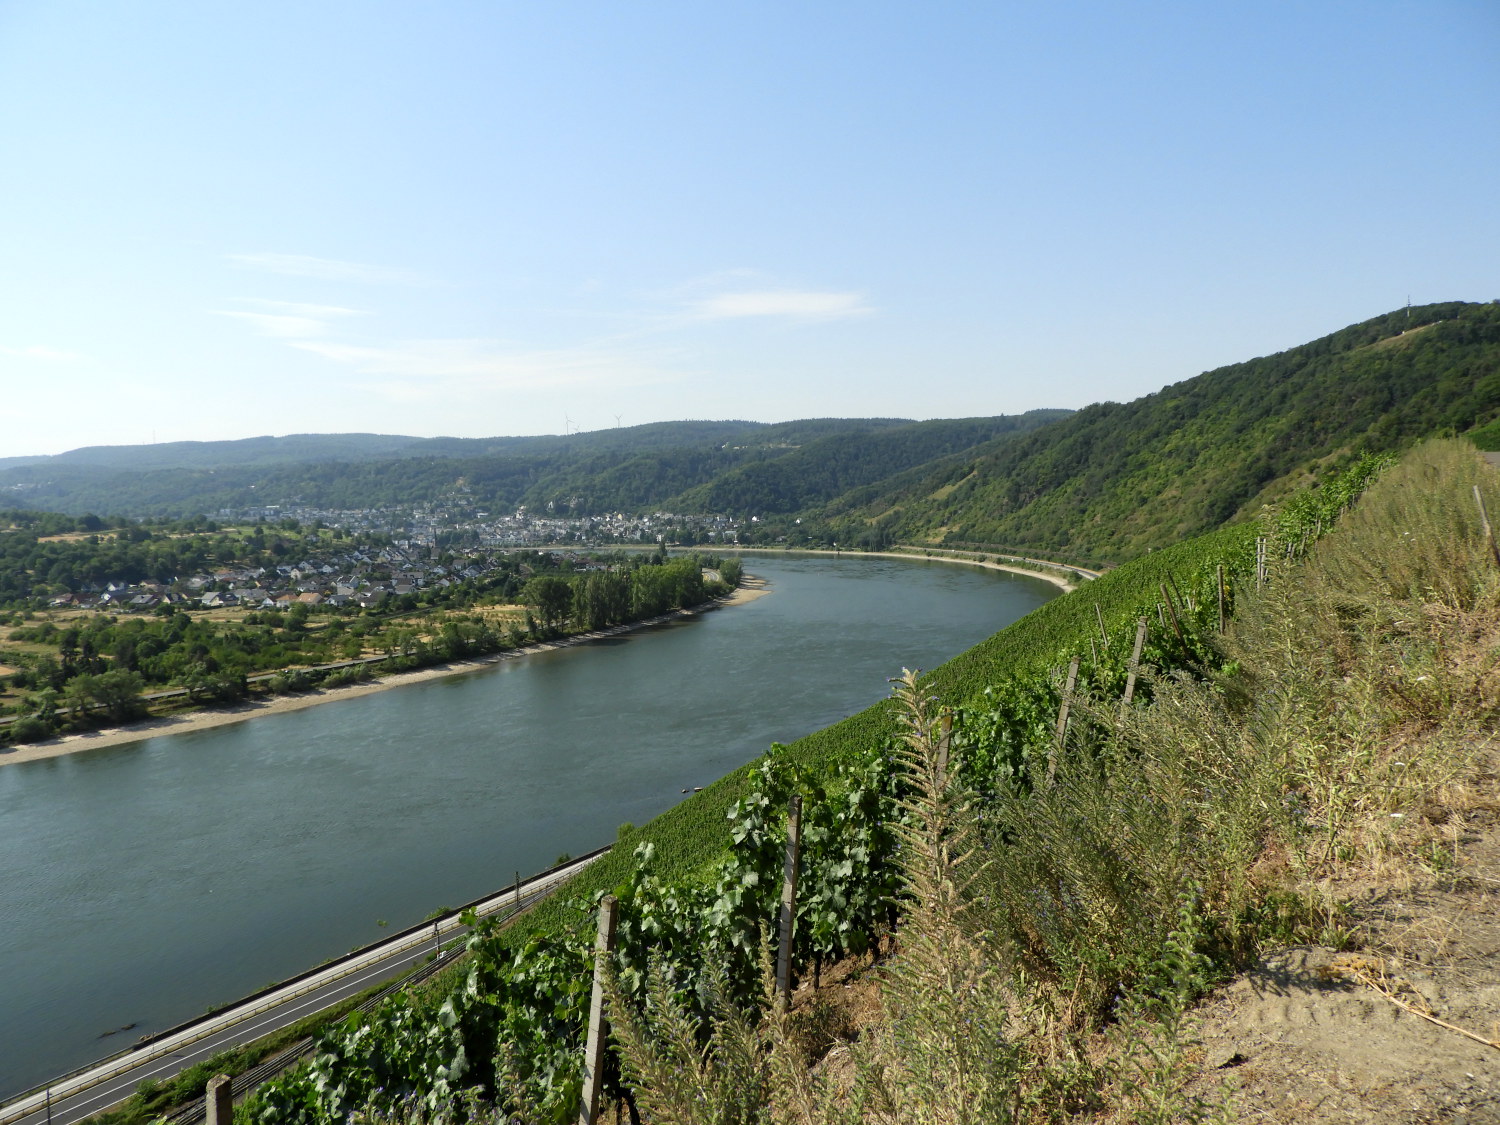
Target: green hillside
{"type": "Point", "coordinates": [822, 470]}
{"type": "Point", "coordinates": [298, 448]}
{"type": "Point", "coordinates": [360, 470]}
{"type": "Point", "coordinates": [1116, 479]}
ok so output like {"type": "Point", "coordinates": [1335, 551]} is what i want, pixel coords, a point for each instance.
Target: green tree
{"type": "Point", "coordinates": [601, 599]}
{"type": "Point", "coordinates": [551, 597]}
{"type": "Point", "coordinates": [117, 694]}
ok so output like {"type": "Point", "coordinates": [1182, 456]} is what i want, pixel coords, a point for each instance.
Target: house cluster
{"type": "Point", "coordinates": [367, 577]}
{"type": "Point", "coordinates": [363, 578]}
{"type": "Point", "coordinates": [423, 525]}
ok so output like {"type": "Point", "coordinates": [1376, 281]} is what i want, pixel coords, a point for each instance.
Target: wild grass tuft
{"type": "Point", "coordinates": [944, 1053]}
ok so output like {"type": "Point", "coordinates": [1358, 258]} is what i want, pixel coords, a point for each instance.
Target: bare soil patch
{"type": "Point", "coordinates": [1312, 1034]}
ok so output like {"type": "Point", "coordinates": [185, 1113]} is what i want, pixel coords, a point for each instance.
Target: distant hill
{"type": "Point", "coordinates": [622, 469]}
{"type": "Point", "coordinates": [1116, 479]}
{"type": "Point", "coordinates": [302, 448]}
{"type": "Point", "coordinates": [220, 454]}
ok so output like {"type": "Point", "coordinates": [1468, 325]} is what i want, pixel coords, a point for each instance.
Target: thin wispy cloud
{"type": "Point", "coordinates": [327, 269]}
{"type": "Point", "coordinates": [288, 320]}
{"type": "Point", "coordinates": [640, 353]}
{"type": "Point", "coordinates": [43, 353]}
{"type": "Point", "coordinates": [783, 304]}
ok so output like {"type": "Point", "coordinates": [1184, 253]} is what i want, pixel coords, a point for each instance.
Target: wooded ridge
{"type": "Point", "coordinates": [1117, 479]}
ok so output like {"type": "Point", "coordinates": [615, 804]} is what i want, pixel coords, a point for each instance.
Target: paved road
{"type": "Point", "coordinates": [107, 1083]}
{"type": "Point", "coordinates": [1081, 571]}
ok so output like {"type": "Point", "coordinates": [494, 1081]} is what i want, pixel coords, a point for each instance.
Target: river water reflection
{"type": "Point", "coordinates": [142, 883]}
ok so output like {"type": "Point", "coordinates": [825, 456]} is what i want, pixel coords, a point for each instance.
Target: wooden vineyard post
{"type": "Point", "coordinates": [944, 744]}
{"type": "Point", "coordinates": [1260, 561]}
{"type": "Point", "coordinates": [1221, 596]}
{"type": "Point", "coordinates": [1099, 617]}
{"type": "Point", "coordinates": [1489, 532]}
{"type": "Point", "coordinates": [218, 1101]}
{"type": "Point", "coordinates": [1172, 611]}
{"type": "Point", "coordinates": [788, 905]}
{"type": "Point", "coordinates": [1176, 593]}
{"type": "Point", "coordinates": [1062, 722]}
{"type": "Point", "coordinates": [1135, 666]}
{"type": "Point", "coordinates": [593, 1058]}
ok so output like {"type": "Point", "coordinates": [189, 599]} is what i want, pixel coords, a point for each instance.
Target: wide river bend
{"type": "Point", "coordinates": [142, 883]}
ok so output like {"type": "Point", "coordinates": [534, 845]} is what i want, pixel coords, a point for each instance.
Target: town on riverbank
{"type": "Point", "coordinates": [107, 627]}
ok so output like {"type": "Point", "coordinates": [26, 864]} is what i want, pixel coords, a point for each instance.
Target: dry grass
{"type": "Point", "coordinates": [1383, 649]}
{"type": "Point", "coordinates": [494, 614]}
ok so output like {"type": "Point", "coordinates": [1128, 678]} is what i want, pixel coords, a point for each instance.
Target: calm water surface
{"type": "Point", "coordinates": [143, 883]}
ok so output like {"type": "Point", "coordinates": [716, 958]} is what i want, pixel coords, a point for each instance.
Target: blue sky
{"type": "Point", "coordinates": [218, 221]}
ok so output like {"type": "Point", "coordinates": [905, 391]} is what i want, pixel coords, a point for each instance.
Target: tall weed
{"type": "Point", "coordinates": [944, 1055]}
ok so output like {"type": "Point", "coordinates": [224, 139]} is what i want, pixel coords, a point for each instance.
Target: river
{"type": "Point", "coordinates": [142, 883]}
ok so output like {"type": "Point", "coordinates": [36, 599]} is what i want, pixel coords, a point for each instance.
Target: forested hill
{"type": "Point", "coordinates": [1116, 479]}
{"type": "Point", "coordinates": [830, 467]}
{"type": "Point", "coordinates": [626, 469]}
{"type": "Point", "coordinates": [373, 470]}
{"type": "Point", "coordinates": [294, 449]}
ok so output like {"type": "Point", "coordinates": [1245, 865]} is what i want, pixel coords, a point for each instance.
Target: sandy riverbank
{"type": "Point", "coordinates": [751, 589]}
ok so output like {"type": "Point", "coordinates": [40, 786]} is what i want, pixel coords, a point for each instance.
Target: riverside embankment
{"type": "Point", "coordinates": [1061, 575]}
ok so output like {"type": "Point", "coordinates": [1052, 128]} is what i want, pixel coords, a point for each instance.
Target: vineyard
{"type": "Point", "coordinates": [1077, 800]}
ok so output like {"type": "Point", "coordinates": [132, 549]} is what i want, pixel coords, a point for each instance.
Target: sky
{"type": "Point", "coordinates": [474, 219]}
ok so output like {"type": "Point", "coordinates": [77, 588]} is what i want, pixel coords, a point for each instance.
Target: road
{"type": "Point", "coordinates": [78, 1096]}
